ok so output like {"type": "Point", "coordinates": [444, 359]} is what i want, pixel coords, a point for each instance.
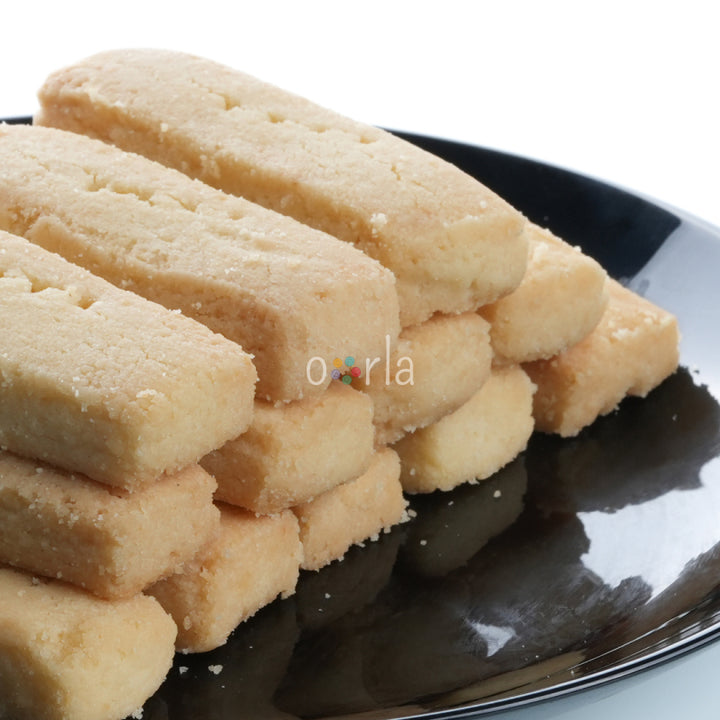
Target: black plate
{"type": "Point", "coordinates": [582, 561]}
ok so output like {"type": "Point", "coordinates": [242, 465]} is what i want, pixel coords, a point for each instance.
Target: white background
{"type": "Point", "coordinates": [623, 91]}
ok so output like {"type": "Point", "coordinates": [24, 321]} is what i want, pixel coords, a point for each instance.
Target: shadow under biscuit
{"type": "Point", "coordinates": [646, 448]}
{"type": "Point", "coordinates": [449, 528]}
{"type": "Point", "coordinates": [237, 680]}
{"type": "Point", "coordinates": [347, 585]}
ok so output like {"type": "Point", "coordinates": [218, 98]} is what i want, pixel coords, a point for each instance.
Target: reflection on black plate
{"type": "Point", "coordinates": [583, 560]}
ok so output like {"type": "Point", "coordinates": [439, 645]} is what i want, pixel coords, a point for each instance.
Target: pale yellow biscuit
{"type": "Point", "coordinates": [112, 543]}
{"type": "Point", "coordinates": [438, 365]}
{"type": "Point", "coordinates": [293, 452]}
{"type": "Point", "coordinates": [451, 242]}
{"type": "Point", "coordinates": [560, 300]}
{"type": "Point", "coordinates": [283, 291]}
{"type": "Point", "coordinates": [97, 380]}
{"type": "Point", "coordinates": [253, 560]}
{"type": "Point", "coordinates": [632, 350]}
{"type": "Point", "coordinates": [474, 442]}
{"type": "Point", "coordinates": [68, 655]}
{"type": "Point", "coordinates": [352, 513]}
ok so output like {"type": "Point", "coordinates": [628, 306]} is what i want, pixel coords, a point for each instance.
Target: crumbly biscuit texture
{"type": "Point", "coordinates": [452, 243]}
{"type": "Point", "coordinates": [560, 300]}
{"type": "Point", "coordinates": [253, 560]}
{"type": "Point", "coordinates": [97, 380]}
{"type": "Point", "coordinates": [285, 292]}
{"type": "Point", "coordinates": [291, 453]}
{"type": "Point", "coordinates": [474, 442]}
{"type": "Point", "coordinates": [352, 513]}
{"type": "Point", "coordinates": [438, 366]}
{"type": "Point", "coordinates": [110, 542]}
{"type": "Point", "coordinates": [632, 350]}
{"type": "Point", "coordinates": [67, 655]}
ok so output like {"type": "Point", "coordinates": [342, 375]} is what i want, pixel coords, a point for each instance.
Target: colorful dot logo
{"type": "Point", "coordinates": [345, 370]}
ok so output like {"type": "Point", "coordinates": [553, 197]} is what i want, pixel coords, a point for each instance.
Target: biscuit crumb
{"type": "Point", "coordinates": [148, 392]}
{"type": "Point", "coordinates": [377, 222]}
{"type": "Point", "coordinates": [215, 669]}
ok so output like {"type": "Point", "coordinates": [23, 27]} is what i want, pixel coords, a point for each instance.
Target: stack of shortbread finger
{"type": "Point", "coordinates": [108, 402]}
{"type": "Point", "coordinates": [482, 311]}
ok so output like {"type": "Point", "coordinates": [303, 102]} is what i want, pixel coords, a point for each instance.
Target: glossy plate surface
{"type": "Point", "coordinates": [582, 561]}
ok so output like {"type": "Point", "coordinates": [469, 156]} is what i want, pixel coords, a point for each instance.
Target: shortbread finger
{"type": "Point", "coordinates": [352, 513]}
{"type": "Point", "coordinates": [560, 300]}
{"type": "Point", "coordinates": [293, 452]}
{"type": "Point", "coordinates": [438, 366]}
{"type": "Point", "coordinates": [112, 543]}
{"type": "Point", "coordinates": [474, 442]}
{"type": "Point", "coordinates": [99, 381]}
{"type": "Point", "coordinates": [283, 291]}
{"type": "Point", "coordinates": [632, 350]}
{"type": "Point", "coordinates": [451, 242]}
{"type": "Point", "coordinates": [253, 560]}
{"type": "Point", "coordinates": [67, 655]}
